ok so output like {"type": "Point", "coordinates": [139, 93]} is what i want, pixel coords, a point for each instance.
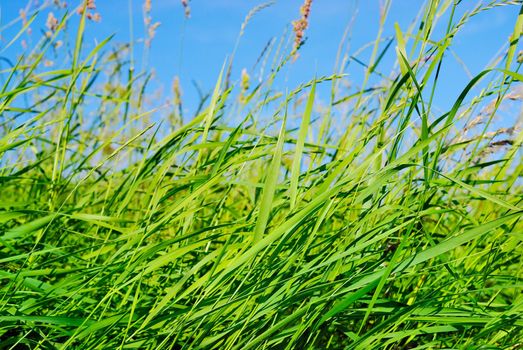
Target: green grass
{"type": "Point", "coordinates": [374, 221]}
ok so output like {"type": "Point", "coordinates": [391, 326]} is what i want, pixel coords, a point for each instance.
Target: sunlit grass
{"type": "Point", "coordinates": [267, 220]}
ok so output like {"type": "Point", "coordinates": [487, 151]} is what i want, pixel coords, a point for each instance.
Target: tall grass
{"type": "Point", "coordinates": [376, 221]}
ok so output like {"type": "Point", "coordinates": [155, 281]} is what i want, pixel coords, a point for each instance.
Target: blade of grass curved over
{"type": "Point", "coordinates": [298, 154]}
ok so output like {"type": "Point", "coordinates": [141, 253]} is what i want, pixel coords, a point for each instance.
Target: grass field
{"type": "Point", "coordinates": [268, 219]}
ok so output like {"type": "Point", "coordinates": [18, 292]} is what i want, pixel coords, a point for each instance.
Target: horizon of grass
{"type": "Point", "coordinates": [267, 220]}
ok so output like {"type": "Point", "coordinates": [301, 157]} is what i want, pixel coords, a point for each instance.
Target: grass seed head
{"type": "Point", "coordinates": [147, 6]}
{"type": "Point", "coordinates": [51, 24]}
{"type": "Point", "coordinates": [151, 33]}
{"type": "Point", "coordinates": [177, 91]}
{"type": "Point", "coordinates": [515, 94]}
{"type": "Point", "coordinates": [95, 17]}
{"type": "Point", "coordinates": [23, 17]}
{"type": "Point", "coordinates": [251, 14]}
{"type": "Point", "coordinates": [59, 4]}
{"type": "Point", "coordinates": [300, 25]}
{"type": "Point", "coordinates": [187, 9]}
{"type": "Point", "coordinates": [89, 5]}
{"type": "Point", "coordinates": [244, 84]}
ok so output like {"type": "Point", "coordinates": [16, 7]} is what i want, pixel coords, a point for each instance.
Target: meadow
{"type": "Point", "coordinates": [266, 219]}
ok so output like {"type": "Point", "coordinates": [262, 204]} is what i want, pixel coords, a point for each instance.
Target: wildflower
{"type": "Point", "coordinates": [301, 25]}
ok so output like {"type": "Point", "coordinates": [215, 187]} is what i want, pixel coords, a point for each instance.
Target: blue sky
{"type": "Point", "coordinates": [196, 48]}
